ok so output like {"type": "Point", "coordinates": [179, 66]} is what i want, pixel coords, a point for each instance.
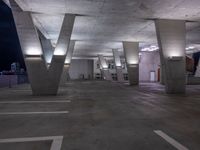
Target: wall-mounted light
{"type": "Point", "coordinates": [66, 65]}
{"type": "Point", "coordinates": [133, 65]}
{"type": "Point", "coordinates": [33, 57]}
{"type": "Point", "coordinates": [175, 58]}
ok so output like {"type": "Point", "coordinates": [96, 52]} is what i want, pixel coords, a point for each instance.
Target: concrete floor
{"type": "Point", "coordinates": [102, 116]}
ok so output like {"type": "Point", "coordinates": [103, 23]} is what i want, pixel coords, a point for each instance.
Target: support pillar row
{"type": "Point", "coordinates": [171, 35]}
{"type": "Point", "coordinates": [118, 65]}
{"type": "Point", "coordinates": [131, 53]}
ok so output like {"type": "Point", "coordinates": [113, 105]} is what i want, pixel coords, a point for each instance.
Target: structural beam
{"type": "Point", "coordinates": [43, 80]}
{"type": "Point", "coordinates": [47, 47]}
{"type": "Point", "coordinates": [104, 68]}
{"type": "Point", "coordinates": [171, 35]}
{"type": "Point", "coordinates": [131, 53]}
{"type": "Point", "coordinates": [118, 65]}
{"type": "Point", "coordinates": [65, 75]}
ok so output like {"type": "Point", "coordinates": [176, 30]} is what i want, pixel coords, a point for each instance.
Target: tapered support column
{"type": "Point", "coordinates": [65, 75]}
{"type": "Point", "coordinates": [47, 47]}
{"type": "Point", "coordinates": [104, 68]}
{"type": "Point", "coordinates": [118, 65]}
{"type": "Point", "coordinates": [43, 80]}
{"type": "Point", "coordinates": [197, 73]}
{"type": "Point", "coordinates": [131, 53]}
{"type": "Point", "coordinates": [171, 36]}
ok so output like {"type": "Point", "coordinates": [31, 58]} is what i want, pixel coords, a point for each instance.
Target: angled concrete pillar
{"type": "Point", "coordinates": [197, 73]}
{"type": "Point", "coordinates": [104, 68]}
{"type": "Point", "coordinates": [171, 39]}
{"type": "Point", "coordinates": [118, 65]}
{"type": "Point", "coordinates": [65, 75]}
{"type": "Point", "coordinates": [131, 53]}
{"type": "Point", "coordinates": [43, 80]}
{"type": "Point", "coordinates": [47, 48]}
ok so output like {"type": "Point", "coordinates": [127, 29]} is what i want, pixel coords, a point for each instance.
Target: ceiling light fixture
{"type": "Point", "coordinates": [150, 48]}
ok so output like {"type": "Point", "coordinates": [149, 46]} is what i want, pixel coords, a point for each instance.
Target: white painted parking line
{"type": "Point", "coordinates": [23, 102]}
{"type": "Point", "coordinates": [170, 140]}
{"type": "Point", "coordinates": [29, 139]}
{"type": "Point", "coordinates": [34, 113]}
{"type": "Point", "coordinates": [56, 144]}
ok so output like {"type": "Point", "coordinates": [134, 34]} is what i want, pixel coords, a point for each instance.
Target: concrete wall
{"type": "Point", "coordinates": [80, 67]}
{"type": "Point", "coordinates": [149, 61]}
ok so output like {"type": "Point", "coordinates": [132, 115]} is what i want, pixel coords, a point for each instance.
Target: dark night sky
{"type": "Point", "coordinates": [10, 50]}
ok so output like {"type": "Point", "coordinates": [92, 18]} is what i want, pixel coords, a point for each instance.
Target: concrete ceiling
{"type": "Point", "coordinates": [103, 24]}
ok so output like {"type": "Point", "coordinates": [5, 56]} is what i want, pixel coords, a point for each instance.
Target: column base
{"type": "Point", "coordinates": [175, 87]}
{"type": "Point", "coordinates": [133, 74]}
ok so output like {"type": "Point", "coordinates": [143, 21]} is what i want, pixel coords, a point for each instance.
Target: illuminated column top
{"type": "Point", "coordinates": [103, 62]}
{"type": "Point", "coordinates": [27, 33]}
{"type": "Point", "coordinates": [131, 52]}
{"type": "Point", "coordinates": [117, 58]}
{"type": "Point", "coordinates": [65, 35]}
{"type": "Point", "coordinates": [70, 52]}
{"type": "Point", "coordinates": [171, 37]}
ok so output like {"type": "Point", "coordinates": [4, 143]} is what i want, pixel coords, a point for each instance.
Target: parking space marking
{"type": "Point", "coordinates": [170, 140]}
{"type": "Point", "coordinates": [23, 102]}
{"type": "Point", "coordinates": [56, 144]}
{"type": "Point", "coordinates": [34, 113]}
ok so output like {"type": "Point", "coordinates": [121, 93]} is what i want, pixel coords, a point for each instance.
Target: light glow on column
{"type": "Point", "coordinates": [102, 61]}
{"type": "Point", "coordinates": [105, 66]}
{"type": "Point", "coordinates": [67, 61]}
{"type": "Point", "coordinates": [48, 59]}
{"type": "Point", "coordinates": [131, 51]}
{"type": "Point", "coordinates": [173, 50]}
{"type": "Point", "coordinates": [174, 53]}
{"type": "Point", "coordinates": [33, 51]}
{"type": "Point", "coordinates": [59, 52]}
{"type": "Point", "coordinates": [118, 64]}
{"type": "Point", "coordinates": [117, 58]}
{"type": "Point", "coordinates": [133, 62]}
